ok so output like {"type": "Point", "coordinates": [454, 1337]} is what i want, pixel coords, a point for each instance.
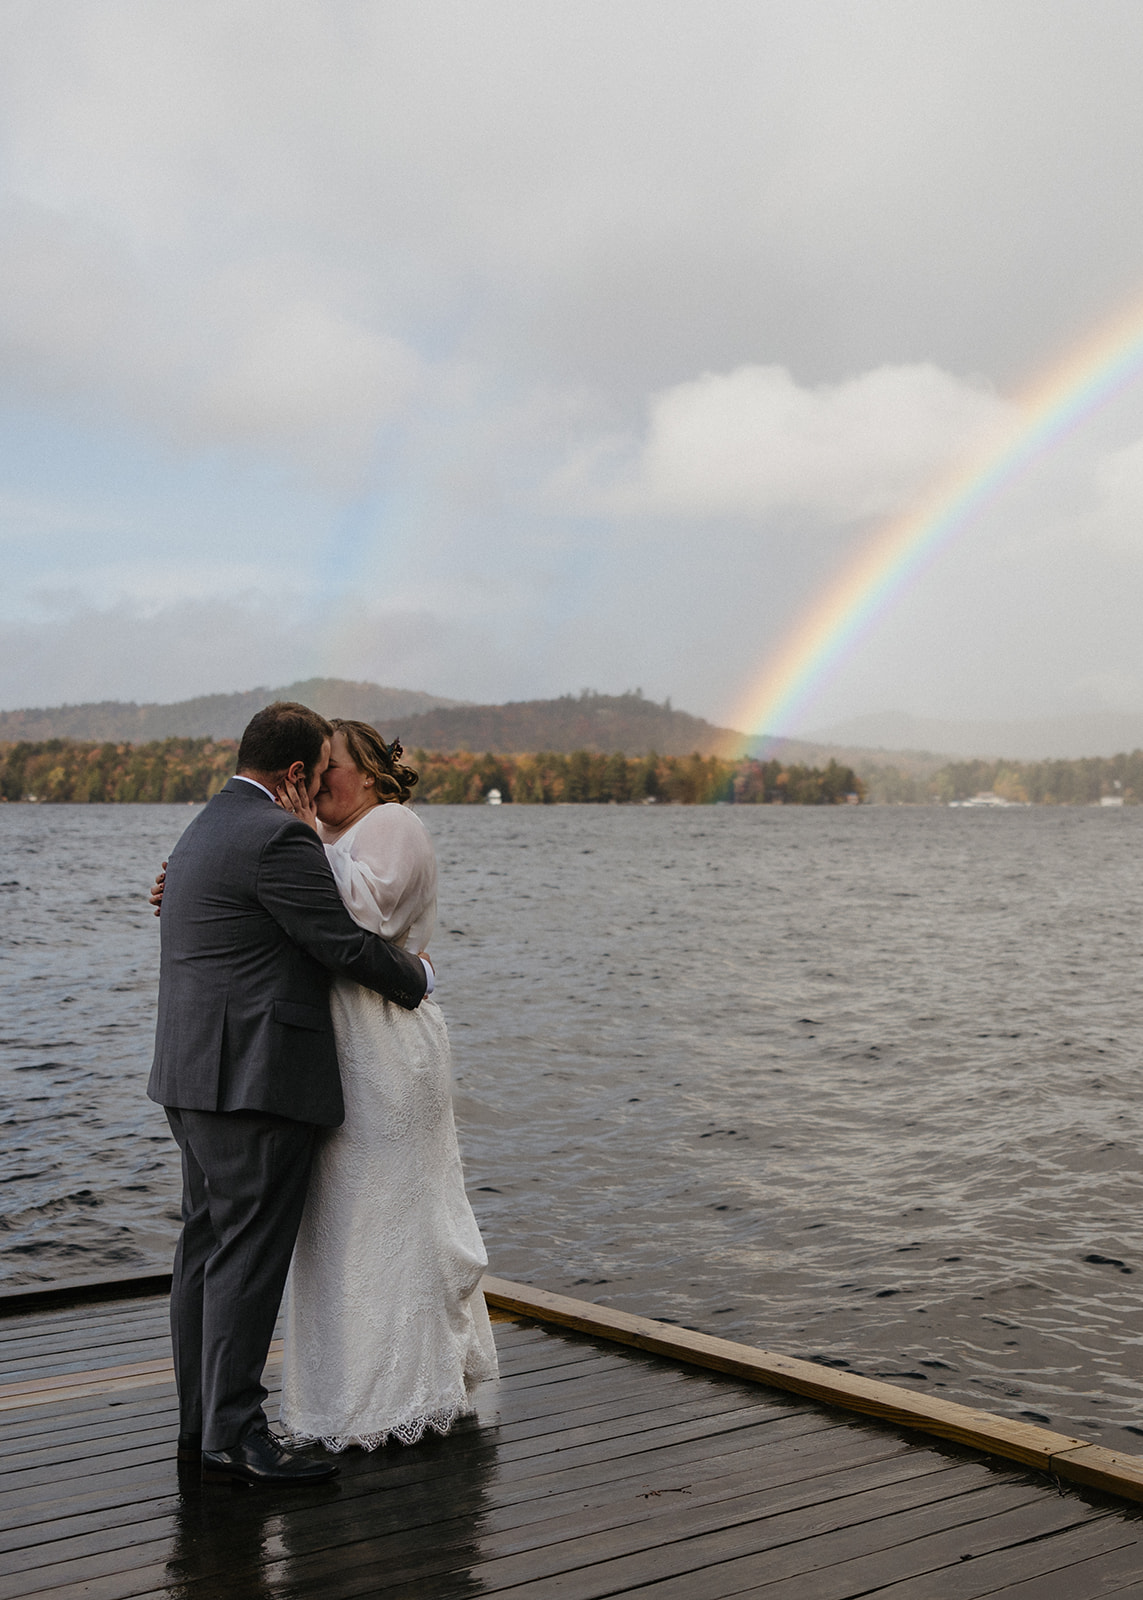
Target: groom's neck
{"type": "Point", "coordinates": [268, 780]}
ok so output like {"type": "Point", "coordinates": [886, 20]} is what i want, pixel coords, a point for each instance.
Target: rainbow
{"type": "Point", "coordinates": [836, 621]}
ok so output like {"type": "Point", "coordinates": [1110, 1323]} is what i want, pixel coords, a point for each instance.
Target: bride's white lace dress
{"type": "Point", "coordinates": [386, 1331]}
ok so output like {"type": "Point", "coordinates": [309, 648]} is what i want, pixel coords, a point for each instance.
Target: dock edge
{"type": "Point", "coordinates": [1062, 1455]}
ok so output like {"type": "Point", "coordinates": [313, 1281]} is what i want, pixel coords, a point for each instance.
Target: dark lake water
{"type": "Point", "coordinates": [854, 1084]}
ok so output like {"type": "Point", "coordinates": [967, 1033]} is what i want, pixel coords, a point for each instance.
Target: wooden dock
{"type": "Point", "coordinates": [596, 1467]}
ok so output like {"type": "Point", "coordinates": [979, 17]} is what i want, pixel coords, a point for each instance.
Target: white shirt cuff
{"type": "Point", "coordinates": [429, 974]}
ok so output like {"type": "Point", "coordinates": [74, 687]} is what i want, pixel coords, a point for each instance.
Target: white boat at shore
{"type": "Point", "coordinates": [990, 800]}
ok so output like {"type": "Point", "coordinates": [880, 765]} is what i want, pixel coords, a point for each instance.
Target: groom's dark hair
{"type": "Point", "coordinates": [281, 734]}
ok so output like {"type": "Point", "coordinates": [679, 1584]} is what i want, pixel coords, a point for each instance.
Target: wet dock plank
{"type": "Point", "coordinates": [590, 1470]}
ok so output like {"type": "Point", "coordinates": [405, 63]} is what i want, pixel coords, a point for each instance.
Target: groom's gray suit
{"type": "Point", "coordinates": [246, 1067]}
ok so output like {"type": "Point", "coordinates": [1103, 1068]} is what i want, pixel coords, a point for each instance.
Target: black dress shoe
{"type": "Point", "coordinates": [190, 1447]}
{"type": "Point", "coordinates": [261, 1458]}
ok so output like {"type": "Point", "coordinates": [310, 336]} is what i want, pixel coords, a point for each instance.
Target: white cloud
{"type": "Point", "coordinates": [300, 376]}
{"type": "Point", "coordinates": [753, 441]}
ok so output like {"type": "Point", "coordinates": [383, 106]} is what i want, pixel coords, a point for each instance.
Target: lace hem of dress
{"type": "Point", "coordinates": [410, 1432]}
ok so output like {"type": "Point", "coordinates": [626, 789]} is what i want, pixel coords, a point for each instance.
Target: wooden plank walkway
{"type": "Point", "coordinates": [591, 1470]}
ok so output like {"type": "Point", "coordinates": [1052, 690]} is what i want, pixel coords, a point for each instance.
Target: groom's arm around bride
{"type": "Point", "coordinates": [246, 1067]}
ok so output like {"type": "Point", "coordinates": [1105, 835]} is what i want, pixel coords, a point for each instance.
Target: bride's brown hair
{"type": "Point", "coordinates": [378, 760]}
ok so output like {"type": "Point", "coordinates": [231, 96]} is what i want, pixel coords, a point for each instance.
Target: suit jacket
{"type": "Point", "coordinates": [252, 928]}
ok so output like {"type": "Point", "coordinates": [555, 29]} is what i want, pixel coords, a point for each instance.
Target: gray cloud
{"type": "Point", "coordinates": [460, 273]}
{"type": "Point", "coordinates": [622, 194]}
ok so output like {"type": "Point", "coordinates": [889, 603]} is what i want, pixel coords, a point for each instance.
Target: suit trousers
{"type": "Point", "coordinates": [245, 1175]}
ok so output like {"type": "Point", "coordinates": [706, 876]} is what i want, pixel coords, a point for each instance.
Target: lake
{"type": "Point", "coordinates": [856, 1084]}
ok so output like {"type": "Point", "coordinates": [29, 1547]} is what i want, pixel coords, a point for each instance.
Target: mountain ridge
{"type": "Point", "coordinates": [1069, 737]}
{"type": "Point", "coordinates": [607, 724]}
{"type": "Point", "coordinates": [211, 716]}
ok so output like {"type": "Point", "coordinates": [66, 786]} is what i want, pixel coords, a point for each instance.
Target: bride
{"type": "Point", "coordinates": [386, 1331]}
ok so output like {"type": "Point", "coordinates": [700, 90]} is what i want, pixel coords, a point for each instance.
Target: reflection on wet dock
{"type": "Point", "coordinates": [592, 1469]}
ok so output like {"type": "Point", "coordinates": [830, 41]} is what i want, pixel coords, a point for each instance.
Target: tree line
{"type": "Point", "coordinates": [594, 778]}
{"type": "Point", "coordinates": [1080, 782]}
{"type": "Point", "coordinates": [170, 770]}
{"type": "Point", "coordinates": [177, 771]}
{"type": "Point", "coordinates": [180, 770]}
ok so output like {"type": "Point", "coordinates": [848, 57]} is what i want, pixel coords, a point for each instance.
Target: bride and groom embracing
{"type": "Point", "coordinates": [306, 1080]}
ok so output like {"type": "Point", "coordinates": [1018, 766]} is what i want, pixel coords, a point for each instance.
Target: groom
{"type": "Point", "coordinates": [246, 1069]}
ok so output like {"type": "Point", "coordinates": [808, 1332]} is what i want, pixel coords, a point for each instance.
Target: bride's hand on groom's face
{"type": "Point", "coordinates": [293, 798]}
{"type": "Point", "coordinates": [156, 895]}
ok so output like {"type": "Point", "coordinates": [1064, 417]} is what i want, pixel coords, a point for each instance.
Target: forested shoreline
{"type": "Point", "coordinates": [1081, 782]}
{"type": "Point", "coordinates": [180, 771]}
{"type": "Point", "coordinates": [185, 771]}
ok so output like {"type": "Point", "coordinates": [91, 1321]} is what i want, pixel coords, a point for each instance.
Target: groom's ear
{"type": "Point", "coordinates": [297, 774]}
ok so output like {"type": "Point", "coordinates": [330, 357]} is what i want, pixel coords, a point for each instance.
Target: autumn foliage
{"type": "Point", "coordinates": [181, 770]}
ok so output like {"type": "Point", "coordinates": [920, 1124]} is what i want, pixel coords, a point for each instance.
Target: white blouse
{"type": "Point", "coordinates": [386, 873]}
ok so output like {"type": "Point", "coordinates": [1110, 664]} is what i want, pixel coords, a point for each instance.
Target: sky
{"type": "Point", "coordinates": [504, 350]}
